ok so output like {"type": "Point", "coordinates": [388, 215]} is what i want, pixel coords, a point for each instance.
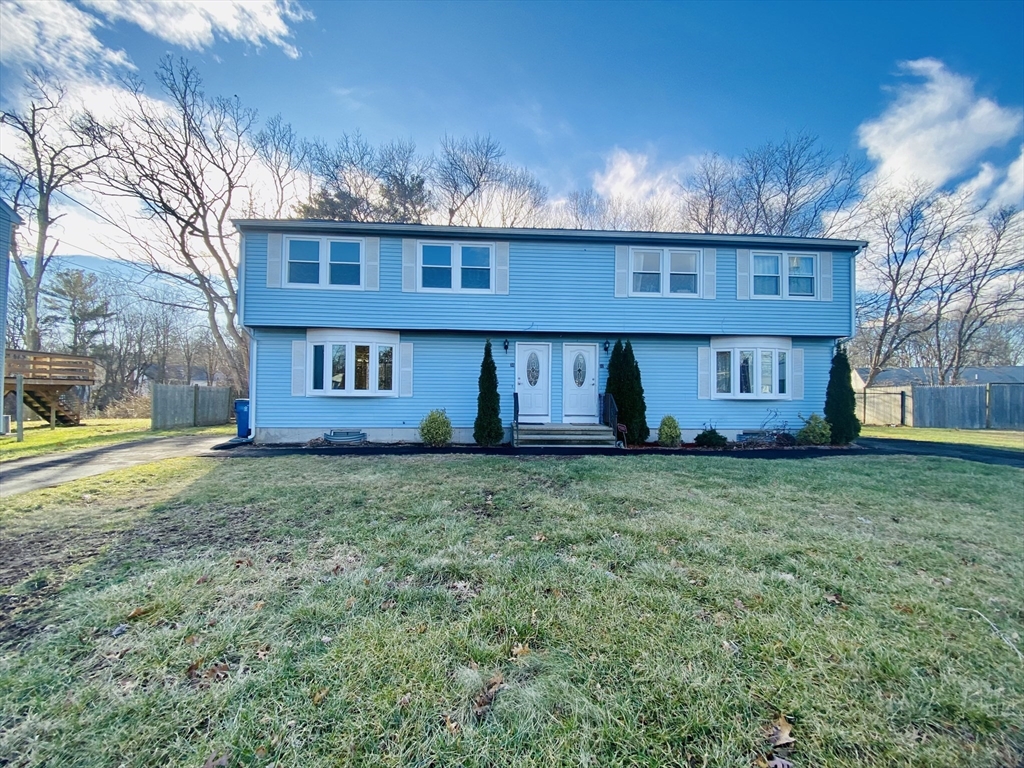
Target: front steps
{"type": "Point", "coordinates": [552, 435]}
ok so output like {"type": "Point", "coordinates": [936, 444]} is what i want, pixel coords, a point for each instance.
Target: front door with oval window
{"type": "Point", "coordinates": [579, 383]}
{"type": "Point", "coordinates": [533, 382]}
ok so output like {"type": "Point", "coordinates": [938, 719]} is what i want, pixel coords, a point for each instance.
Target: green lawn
{"type": "Point", "coordinates": [468, 611]}
{"type": "Point", "coordinates": [40, 439]}
{"type": "Point", "coordinates": [990, 438]}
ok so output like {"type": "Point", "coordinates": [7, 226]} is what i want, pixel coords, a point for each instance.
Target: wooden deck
{"type": "Point", "coordinates": [48, 380]}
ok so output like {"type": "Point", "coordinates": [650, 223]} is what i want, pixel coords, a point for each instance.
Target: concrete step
{"type": "Point", "coordinates": [562, 440]}
{"type": "Point", "coordinates": [550, 435]}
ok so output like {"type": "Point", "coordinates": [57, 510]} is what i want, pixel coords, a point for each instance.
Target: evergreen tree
{"type": "Point", "coordinates": [635, 416]}
{"type": "Point", "coordinates": [616, 385]}
{"type": "Point", "coordinates": [840, 402]}
{"type": "Point", "coordinates": [487, 429]}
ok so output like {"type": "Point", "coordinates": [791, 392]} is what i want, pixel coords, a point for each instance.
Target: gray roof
{"type": "Point", "coordinates": [898, 377]}
{"type": "Point", "coordinates": [521, 233]}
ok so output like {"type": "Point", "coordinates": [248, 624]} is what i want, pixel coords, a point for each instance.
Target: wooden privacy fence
{"type": "Point", "coordinates": [988, 406]}
{"type": "Point", "coordinates": [886, 405]}
{"type": "Point", "coordinates": [190, 406]}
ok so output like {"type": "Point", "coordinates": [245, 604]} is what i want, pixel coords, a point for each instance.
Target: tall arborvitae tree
{"type": "Point", "coordinates": [840, 402]}
{"type": "Point", "coordinates": [487, 429]}
{"type": "Point", "coordinates": [616, 385]}
{"type": "Point", "coordinates": [634, 413]}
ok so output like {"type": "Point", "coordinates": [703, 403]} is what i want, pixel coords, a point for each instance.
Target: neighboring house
{"type": "Point", "coordinates": [370, 326]}
{"type": "Point", "coordinates": [906, 377]}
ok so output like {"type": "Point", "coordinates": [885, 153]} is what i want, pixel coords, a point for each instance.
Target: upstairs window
{"type": "Point", "coordinates": [783, 275]}
{"type": "Point", "coordinates": [456, 267]}
{"type": "Point", "coordinates": [665, 272]}
{"type": "Point", "coordinates": [324, 262]}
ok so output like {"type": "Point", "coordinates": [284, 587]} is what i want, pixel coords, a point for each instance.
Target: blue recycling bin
{"type": "Point", "coordinates": [242, 417]}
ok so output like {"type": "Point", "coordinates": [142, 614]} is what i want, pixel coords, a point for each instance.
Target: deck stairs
{"type": "Point", "coordinates": [41, 400]}
{"type": "Point", "coordinates": [553, 435]}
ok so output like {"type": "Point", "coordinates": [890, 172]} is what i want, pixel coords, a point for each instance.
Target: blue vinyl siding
{"type": "Point", "coordinates": [446, 367]}
{"type": "Point", "coordinates": [557, 287]}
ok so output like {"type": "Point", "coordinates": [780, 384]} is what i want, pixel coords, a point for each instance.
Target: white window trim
{"type": "Point", "coordinates": [351, 338]}
{"type": "Point", "coordinates": [757, 345]}
{"type": "Point", "coordinates": [666, 272]}
{"type": "Point", "coordinates": [325, 263]}
{"type": "Point", "coordinates": [456, 246]}
{"type": "Point", "coordinates": [784, 276]}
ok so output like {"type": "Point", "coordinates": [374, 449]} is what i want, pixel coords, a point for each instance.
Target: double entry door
{"type": "Point", "coordinates": [579, 382]}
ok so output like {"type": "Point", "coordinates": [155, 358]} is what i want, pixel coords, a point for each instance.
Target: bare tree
{"type": "Point", "coordinates": [911, 230]}
{"type": "Point", "coordinates": [50, 156]}
{"type": "Point", "coordinates": [465, 169]}
{"type": "Point", "coordinates": [186, 161]}
{"type": "Point", "coordinates": [284, 157]}
{"type": "Point", "coordinates": [707, 196]}
{"type": "Point", "coordinates": [515, 199]}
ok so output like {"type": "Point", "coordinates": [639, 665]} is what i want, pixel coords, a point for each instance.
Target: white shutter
{"type": "Point", "coordinates": [825, 277]}
{"type": "Point", "coordinates": [371, 281]}
{"type": "Point", "coordinates": [409, 265]}
{"type": "Point", "coordinates": [742, 274]}
{"type": "Point", "coordinates": [298, 368]}
{"type": "Point", "coordinates": [703, 373]}
{"type": "Point", "coordinates": [501, 268]}
{"type": "Point", "coordinates": [405, 369]}
{"type": "Point", "coordinates": [710, 272]}
{"type": "Point", "coordinates": [275, 244]}
{"type": "Point", "coordinates": [796, 374]}
{"type": "Point", "coordinates": [621, 270]}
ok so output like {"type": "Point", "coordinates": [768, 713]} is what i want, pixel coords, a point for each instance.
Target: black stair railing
{"type": "Point", "coordinates": [515, 418]}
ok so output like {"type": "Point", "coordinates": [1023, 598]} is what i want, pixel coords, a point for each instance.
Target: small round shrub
{"type": "Point", "coordinates": [668, 432]}
{"type": "Point", "coordinates": [815, 431]}
{"type": "Point", "coordinates": [436, 429]}
{"type": "Point", "coordinates": [711, 438]}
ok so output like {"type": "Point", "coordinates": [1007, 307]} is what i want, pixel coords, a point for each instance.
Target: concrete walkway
{"type": "Point", "coordinates": [30, 474]}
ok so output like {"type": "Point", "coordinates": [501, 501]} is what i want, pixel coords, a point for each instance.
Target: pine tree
{"type": "Point", "coordinates": [635, 417]}
{"type": "Point", "coordinates": [616, 384]}
{"type": "Point", "coordinates": [487, 429]}
{"type": "Point", "coordinates": [840, 402]}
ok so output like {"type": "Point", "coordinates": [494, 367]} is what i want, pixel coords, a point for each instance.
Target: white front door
{"type": "Point", "coordinates": [533, 382]}
{"type": "Point", "coordinates": [579, 383]}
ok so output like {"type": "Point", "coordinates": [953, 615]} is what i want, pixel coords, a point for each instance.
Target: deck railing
{"type": "Point", "coordinates": [50, 367]}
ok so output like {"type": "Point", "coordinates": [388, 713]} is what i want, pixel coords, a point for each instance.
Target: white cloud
{"type": "Point", "coordinates": [56, 37]}
{"type": "Point", "coordinates": [936, 130]}
{"type": "Point", "coordinates": [195, 24]}
{"type": "Point", "coordinates": [632, 176]}
{"type": "Point", "coordinates": [1011, 190]}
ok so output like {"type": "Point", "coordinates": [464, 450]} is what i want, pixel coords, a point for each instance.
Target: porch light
{"type": "Point", "coordinates": [606, 345]}
{"type": "Point", "coordinates": [506, 345]}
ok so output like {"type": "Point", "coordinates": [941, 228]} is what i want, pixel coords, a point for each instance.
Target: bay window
{"type": "Point", "coordinates": [351, 363]}
{"type": "Point", "coordinates": [750, 367]}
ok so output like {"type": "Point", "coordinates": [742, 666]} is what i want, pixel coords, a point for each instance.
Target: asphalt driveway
{"type": "Point", "coordinates": [30, 474]}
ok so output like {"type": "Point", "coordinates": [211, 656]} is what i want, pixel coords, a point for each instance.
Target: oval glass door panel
{"type": "Point", "coordinates": [579, 370]}
{"type": "Point", "coordinates": [533, 369]}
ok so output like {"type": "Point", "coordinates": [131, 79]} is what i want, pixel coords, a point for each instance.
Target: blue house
{"type": "Point", "coordinates": [370, 326]}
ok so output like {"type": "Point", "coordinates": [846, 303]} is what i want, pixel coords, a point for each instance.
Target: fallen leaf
{"type": "Point", "coordinates": [779, 762]}
{"type": "Point", "coordinates": [780, 732]}
{"type": "Point", "coordinates": [730, 647]}
{"type": "Point", "coordinates": [263, 652]}
{"type": "Point", "coordinates": [259, 606]}
{"type": "Point", "coordinates": [326, 639]}
{"type": "Point", "coordinates": [387, 605]}
{"type": "Point", "coordinates": [739, 605]}
{"type": "Point", "coordinates": [202, 579]}
{"type": "Point", "coordinates": [520, 649]}
{"type": "Point", "coordinates": [211, 623]}
{"type": "Point", "coordinates": [337, 569]}
{"type": "Point", "coordinates": [191, 639]}
{"type": "Point", "coordinates": [834, 598]}
{"type": "Point", "coordinates": [663, 549]}
{"type": "Point", "coordinates": [421, 629]}
{"type": "Point", "coordinates": [119, 630]}
{"type": "Point", "coordinates": [261, 752]}
{"type": "Point", "coordinates": [482, 703]}
{"type": "Point", "coordinates": [320, 695]}
{"type": "Point", "coordinates": [218, 671]}
{"type": "Point", "coordinates": [117, 655]}
{"type": "Point", "coordinates": [404, 701]}
{"type": "Point", "coordinates": [243, 561]}
{"type": "Point", "coordinates": [136, 612]}
{"type": "Point", "coordinates": [193, 668]}
{"type": "Point", "coordinates": [217, 762]}
{"type": "Point", "coordinates": [539, 537]}
{"type": "Point", "coordinates": [903, 608]}
{"type": "Point", "coordinates": [452, 725]}
{"type": "Point", "coordinates": [350, 603]}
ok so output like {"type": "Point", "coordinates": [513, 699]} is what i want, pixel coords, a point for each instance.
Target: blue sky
{"type": "Point", "coordinates": [617, 94]}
